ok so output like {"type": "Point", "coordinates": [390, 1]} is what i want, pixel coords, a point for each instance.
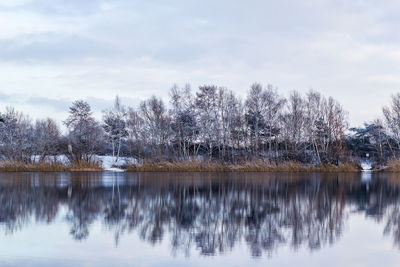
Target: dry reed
{"type": "Point", "coordinates": [393, 165]}
{"type": "Point", "coordinates": [253, 166]}
{"type": "Point", "coordinates": [20, 166]}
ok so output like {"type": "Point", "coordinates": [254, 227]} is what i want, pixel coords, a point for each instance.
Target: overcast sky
{"type": "Point", "coordinates": [55, 51]}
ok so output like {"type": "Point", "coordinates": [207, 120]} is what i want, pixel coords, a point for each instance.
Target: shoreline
{"type": "Point", "coordinates": [193, 166]}
{"type": "Point", "coordinates": [185, 171]}
{"type": "Point", "coordinates": [182, 171]}
{"type": "Point", "coordinates": [249, 166]}
{"type": "Point", "coordinates": [8, 166]}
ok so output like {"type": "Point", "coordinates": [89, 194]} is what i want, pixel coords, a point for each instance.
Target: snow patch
{"type": "Point", "coordinates": [366, 166]}
{"type": "Point", "coordinates": [107, 162]}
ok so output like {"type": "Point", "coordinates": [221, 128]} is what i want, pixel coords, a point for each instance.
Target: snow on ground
{"type": "Point", "coordinates": [366, 166]}
{"type": "Point", "coordinates": [59, 158]}
{"type": "Point", "coordinates": [107, 162]}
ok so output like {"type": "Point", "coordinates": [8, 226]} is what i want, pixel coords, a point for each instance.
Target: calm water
{"type": "Point", "coordinates": [108, 219]}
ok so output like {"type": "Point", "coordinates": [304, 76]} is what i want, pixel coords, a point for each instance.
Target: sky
{"type": "Point", "coordinates": [55, 51]}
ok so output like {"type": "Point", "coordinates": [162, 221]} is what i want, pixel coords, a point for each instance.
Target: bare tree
{"type": "Point", "coordinates": [206, 108]}
{"type": "Point", "coordinates": [273, 111]}
{"type": "Point", "coordinates": [392, 118]}
{"type": "Point", "coordinates": [211, 123]}
{"type": "Point", "coordinates": [293, 123]}
{"type": "Point", "coordinates": [157, 123]}
{"type": "Point", "coordinates": [16, 136]}
{"type": "Point", "coordinates": [114, 125]}
{"type": "Point", "coordinates": [255, 109]}
{"type": "Point", "coordinates": [46, 138]}
{"type": "Point", "coordinates": [85, 134]}
{"type": "Point", "coordinates": [183, 121]}
{"type": "Point", "coordinates": [229, 107]}
{"type": "Point", "coordinates": [137, 136]}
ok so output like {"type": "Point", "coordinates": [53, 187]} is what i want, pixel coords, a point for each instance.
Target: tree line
{"type": "Point", "coordinates": [210, 124]}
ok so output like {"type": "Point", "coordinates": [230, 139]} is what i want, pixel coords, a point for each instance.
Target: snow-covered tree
{"type": "Point", "coordinates": [263, 110]}
{"type": "Point", "coordinates": [157, 125]}
{"type": "Point", "coordinates": [183, 121]}
{"type": "Point", "coordinates": [293, 121]}
{"type": "Point", "coordinates": [16, 136]}
{"type": "Point", "coordinates": [137, 137]}
{"type": "Point", "coordinates": [392, 119]}
{"type": "Point", "coordinates": [211, 123]}
{"type": "Point", "coordinates": [47, 137]}
{"type": "Point", "coordinates": [206, 108]}
{"type": "Point", "coordinates": [114, 125]}
{"type": "Point", "coordinates": [85, 134]}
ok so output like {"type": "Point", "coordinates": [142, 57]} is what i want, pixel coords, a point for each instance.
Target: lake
{"type": "Point", "coordinates": [199, 219]}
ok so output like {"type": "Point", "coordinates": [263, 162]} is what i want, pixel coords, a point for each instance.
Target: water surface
{"type": "Point", "coordinates": [198, 219]}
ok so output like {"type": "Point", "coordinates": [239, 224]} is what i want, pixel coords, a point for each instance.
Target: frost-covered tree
{"type": "Point", "coordinates": [325, 125]}
{"type": "Point", "coordinates": [293, 121]}
{"type": "Point", "coordinates": [85, 134]}
{"type": "Point", "coordinates": [336, 125]}
{"type": "Point", "coordinates": [211, 123]}
{"type": "Point", "coordinates": [206, 108]}
{"type": "Point", "coordinates": [227, 108]}
{"type": "Point", "coordinates": [16, 136]}
{"type": "Point", "coordinates": [114, 125]}
{"type": "Point", "coordinates": [255, 110]}
{"type": "Point", "coordinates": [184, 125]}
{"type": "Point", "coordinates": [371, 140]}
{"type": "Point", "coordinates": [392, 119]}
{"type": "Point", "coordinates": [47, 137]}
{"type": "Point", "coordinates": [273, 111]}
{"type": "Point", "coordinates": [264, 108]}
{"type": "Point", "coordinates": [157, 124]}
{"type": "Point", "coordinates": [237, 130]}
{"type": "Point", "coordinates": [137, 137]}
{"type": "Point", "coordinates": [313, 122]}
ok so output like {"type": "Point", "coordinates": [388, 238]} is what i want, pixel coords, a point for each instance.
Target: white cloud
{"type": "Point", "coordinates": [78, 49]}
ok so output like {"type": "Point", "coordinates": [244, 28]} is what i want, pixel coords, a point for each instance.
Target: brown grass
{"type": "Point", "coordinates": [19, 166]}
{"type": "Point", "coordinates": [392, 166]}
{"type": "Point", "coordinates": [185, 166]}
{"type": "Point", "coordinates": [84, 166]}
{"type": "Point", "coordinates": [254, 166]}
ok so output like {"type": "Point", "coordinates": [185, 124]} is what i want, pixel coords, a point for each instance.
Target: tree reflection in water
{"type": "Point", "coordinates": [208, 212]}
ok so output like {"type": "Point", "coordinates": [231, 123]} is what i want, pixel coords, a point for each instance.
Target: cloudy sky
{"type": "Point", "coordinates": [55, 51]}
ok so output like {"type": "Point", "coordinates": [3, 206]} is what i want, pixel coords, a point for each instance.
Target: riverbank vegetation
{"type": "Point", "coordinates": [20, 166]}
{"type": "Point", "coordinates": [210, 129]}
{"type": "Point", "coordinates": [252, 166]}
